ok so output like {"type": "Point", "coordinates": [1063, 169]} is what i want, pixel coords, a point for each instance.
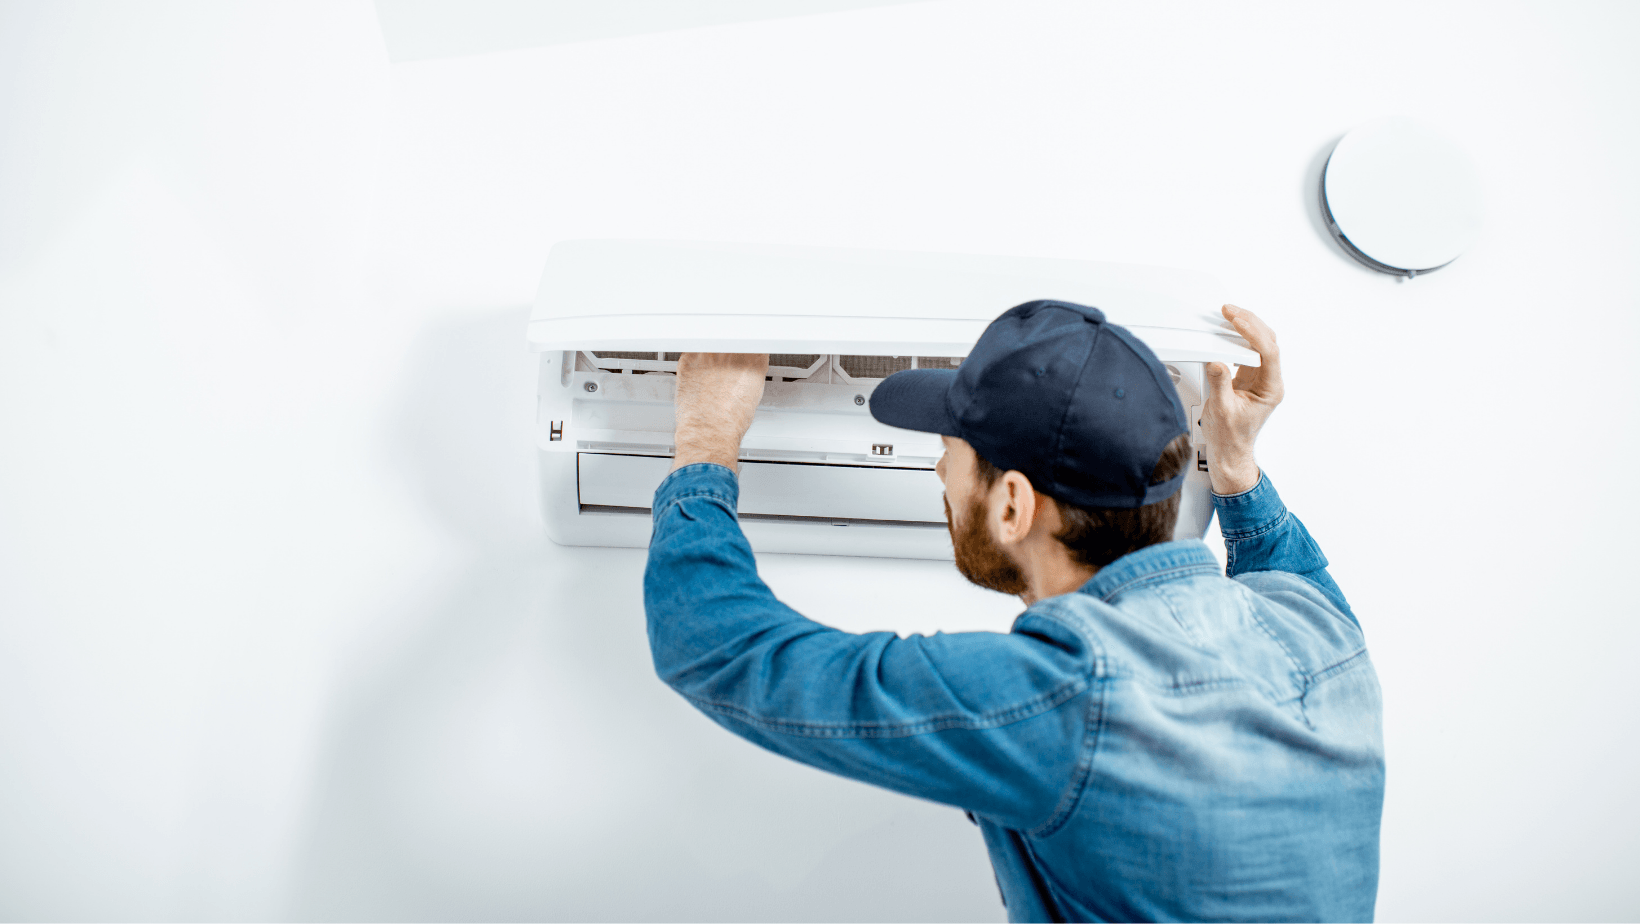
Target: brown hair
{"type": "Point", "coordinates": [1097, 536]}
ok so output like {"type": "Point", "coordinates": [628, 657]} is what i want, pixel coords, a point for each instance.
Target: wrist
{"type": "Point", "coordinates": [720, 451]}
{"type": "Point", "coordinates": [1233, 479]}
{"type": "Point", "coordinates": [727, 461]}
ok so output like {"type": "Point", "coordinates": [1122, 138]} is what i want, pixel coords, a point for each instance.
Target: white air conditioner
{"type": "Point", "coordinates": [818, 474]}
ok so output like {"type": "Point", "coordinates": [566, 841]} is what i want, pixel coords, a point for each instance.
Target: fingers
{"type": "Point", "coordinates": [1266, 380]}
{"type": "Point", "coordinates": [1253, 329]}
{"type": "Point", "coordinates": [1217, 377]}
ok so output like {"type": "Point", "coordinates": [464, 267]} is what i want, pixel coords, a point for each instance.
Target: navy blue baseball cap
{"type": "Point", "coordinates": [1054, 391]}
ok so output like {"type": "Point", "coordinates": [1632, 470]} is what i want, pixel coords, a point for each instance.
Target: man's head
{"type": "Point", "coordinates": [1065, 445]}
{"type": "Point", "coordinates": [988, 504]}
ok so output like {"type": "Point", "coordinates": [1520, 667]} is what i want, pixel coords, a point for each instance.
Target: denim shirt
{"type": "Point", "coordinates": [1165, 742]}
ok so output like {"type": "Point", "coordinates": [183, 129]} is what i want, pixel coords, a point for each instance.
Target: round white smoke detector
{"type": "Point", "coordinates": [1400, 197]}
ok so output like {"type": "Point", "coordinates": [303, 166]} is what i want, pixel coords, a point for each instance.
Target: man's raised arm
{"type": "Point", "coordinates": [1260, 534]}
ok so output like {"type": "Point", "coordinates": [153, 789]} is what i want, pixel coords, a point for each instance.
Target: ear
{"type": "Point", "coordinates": [1013, 508]}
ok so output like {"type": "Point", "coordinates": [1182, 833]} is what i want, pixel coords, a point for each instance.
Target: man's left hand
{"type": "Point", "coordinates": [717, 395]}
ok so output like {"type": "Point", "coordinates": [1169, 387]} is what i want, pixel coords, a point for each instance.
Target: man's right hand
{"type": "Point", "coordinates": [717, 396]}
{"type": "Point", "coordinates": [1237, 408]}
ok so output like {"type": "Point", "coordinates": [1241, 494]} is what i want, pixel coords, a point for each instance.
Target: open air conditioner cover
{"type": "Point", "coordinates": [611, 318]}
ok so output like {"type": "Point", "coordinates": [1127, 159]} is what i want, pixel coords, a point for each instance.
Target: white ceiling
{"type": "Point", "coordinates": [420, 29]}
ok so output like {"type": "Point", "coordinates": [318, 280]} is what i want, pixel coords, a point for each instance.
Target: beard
{"type": "Point", "coordinates": [979, 558]}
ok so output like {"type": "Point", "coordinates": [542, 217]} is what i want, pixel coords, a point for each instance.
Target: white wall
{"type": "Point", "coordinates": [421, 29]}
{"type": "Point", "coordinates": [279, 635]}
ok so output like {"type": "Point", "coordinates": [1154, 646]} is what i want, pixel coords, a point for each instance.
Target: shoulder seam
{"type": "Point", "coordinates": [1336, 611]}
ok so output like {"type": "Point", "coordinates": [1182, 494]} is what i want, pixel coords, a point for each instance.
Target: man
{"type": "Point", "coordinates": [1153, 740]}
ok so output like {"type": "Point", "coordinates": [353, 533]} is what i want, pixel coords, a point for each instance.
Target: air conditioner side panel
{"type": "Point", "coordinates": [1195, 505]}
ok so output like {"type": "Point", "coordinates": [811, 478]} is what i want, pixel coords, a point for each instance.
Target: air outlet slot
{"type": "Point", "coordinates": [863, 494]}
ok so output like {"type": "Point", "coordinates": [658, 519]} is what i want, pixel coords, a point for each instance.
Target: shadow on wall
{"type": "Point", "coordinates": [1311, 199]}
{"type": "Point", "coordinates": [509, 753]}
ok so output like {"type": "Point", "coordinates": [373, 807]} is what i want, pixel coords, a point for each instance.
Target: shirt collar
{"type": "Point", "coordinates": [1153, 564]}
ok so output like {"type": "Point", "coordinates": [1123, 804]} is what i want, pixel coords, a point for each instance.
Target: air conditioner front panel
{"type": "Point", "coordinates": [879, 495]}
{"type": "Point", "coordinates": [671, 295]}
{"type": "Point", "coordinates": [715, 332]}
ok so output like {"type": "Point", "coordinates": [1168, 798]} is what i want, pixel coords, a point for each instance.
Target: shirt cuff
{"type": "Point", "coordinates": [702, 479]}
{"type": "Point", "coordinates": [1251, 512]}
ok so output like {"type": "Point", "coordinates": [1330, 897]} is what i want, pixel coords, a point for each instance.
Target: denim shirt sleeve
{"type": "Point", "coordinates": [972, 719]}
{"type": "Point", "coordinates": [1260, 534]}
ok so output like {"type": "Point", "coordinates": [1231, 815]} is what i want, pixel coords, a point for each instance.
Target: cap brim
{"type": "Point", "coordinates": [915, 400]}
